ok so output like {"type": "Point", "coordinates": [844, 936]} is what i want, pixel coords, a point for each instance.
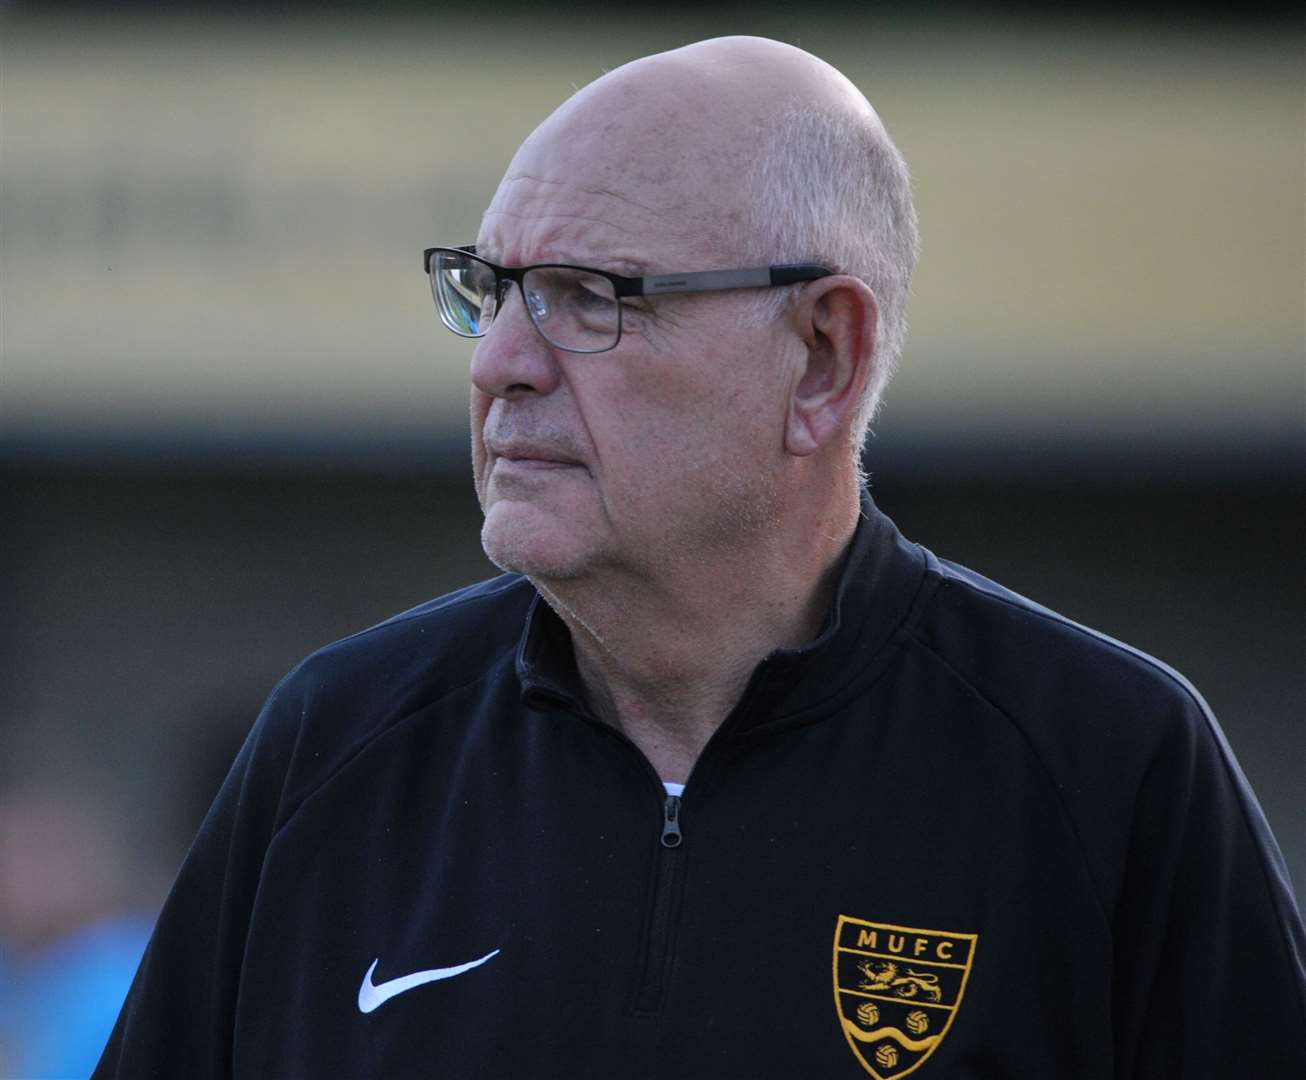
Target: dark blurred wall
{"type": "Point", "coordinates": [148, 612]}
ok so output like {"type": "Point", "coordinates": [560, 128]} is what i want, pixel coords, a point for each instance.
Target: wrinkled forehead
{"type": "Point", "coordinates": [624, 181]}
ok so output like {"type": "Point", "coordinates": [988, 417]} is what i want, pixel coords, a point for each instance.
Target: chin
{"type": "Point", "coordinates": [515, 540]}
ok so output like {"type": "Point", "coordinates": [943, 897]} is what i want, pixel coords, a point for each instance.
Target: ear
{"type": "Point", "coordinates": [837, 319]}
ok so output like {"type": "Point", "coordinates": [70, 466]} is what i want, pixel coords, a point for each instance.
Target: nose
{"type": "Point", "coordinates": [513, 360]}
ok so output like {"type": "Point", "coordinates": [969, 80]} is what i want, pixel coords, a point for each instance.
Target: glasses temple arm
{"type": "Point", "coordinates": [714, 280]}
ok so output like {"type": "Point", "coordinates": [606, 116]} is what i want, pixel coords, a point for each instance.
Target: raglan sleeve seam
{"type": "Point", "coordinates": [1068, 817]}
{"type": "Point", "coordinates": [379, 731]}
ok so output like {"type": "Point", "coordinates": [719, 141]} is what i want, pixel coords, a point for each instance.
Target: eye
{"type": "Point", "coordinates": [591, 296]}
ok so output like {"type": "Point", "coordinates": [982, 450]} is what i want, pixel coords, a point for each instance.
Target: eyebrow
{"type": "Point", "coordinates": [622, 266]}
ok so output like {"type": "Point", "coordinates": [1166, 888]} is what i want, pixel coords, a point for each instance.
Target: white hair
{"type": "Point", "coordinates": [828, 186]}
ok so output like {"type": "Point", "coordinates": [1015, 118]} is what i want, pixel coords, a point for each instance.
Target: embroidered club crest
{"type": "Point", "coordinates": [897, 990]}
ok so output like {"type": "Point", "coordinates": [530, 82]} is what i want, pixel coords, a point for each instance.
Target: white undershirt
{"type": "Point", "coordinates": [673, 789]}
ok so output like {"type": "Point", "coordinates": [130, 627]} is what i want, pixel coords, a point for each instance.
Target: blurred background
{"type": "Point", "coordinates": [232, 429]}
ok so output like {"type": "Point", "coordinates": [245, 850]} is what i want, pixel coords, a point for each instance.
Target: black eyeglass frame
{"type": "Point", "coordinates": [752, 277]}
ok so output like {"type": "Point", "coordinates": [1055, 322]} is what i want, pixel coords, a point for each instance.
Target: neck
{"type": "Point", "coordinates": [665, 657]}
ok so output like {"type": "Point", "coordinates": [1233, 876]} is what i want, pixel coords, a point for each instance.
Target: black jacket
{"type": "Point", "coordinates": [957, 833]}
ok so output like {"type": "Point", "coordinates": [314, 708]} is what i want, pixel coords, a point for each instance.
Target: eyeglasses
{"type": "Point", "coordinates": [575, 308]}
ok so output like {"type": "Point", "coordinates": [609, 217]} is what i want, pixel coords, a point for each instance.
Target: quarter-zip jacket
{"type": "Point", "coordinates": [956, 834]}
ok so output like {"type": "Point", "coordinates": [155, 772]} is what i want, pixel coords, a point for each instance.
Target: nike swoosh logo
{"type": "Point", "coordinates": [370, 995]}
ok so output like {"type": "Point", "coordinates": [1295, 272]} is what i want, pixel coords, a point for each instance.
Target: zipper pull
{"type": "Point", "coordinates": [671, 834]}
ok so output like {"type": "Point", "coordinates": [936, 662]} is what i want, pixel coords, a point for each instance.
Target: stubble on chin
{"type": "Point", "coordinates": [540, 551]}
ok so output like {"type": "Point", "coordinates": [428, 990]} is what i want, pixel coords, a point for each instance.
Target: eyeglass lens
{"type": "Point", "coordinates": [572, 309]}
{"type": "Point", "coordinates": [464, 292]}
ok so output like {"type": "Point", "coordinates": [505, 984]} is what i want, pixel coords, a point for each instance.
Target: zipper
{"type": "Point", "coordinates": [660, 928]}
{"type": "Point", "coordinates": [672, 837]}
{"type": "Point", "coordinates": [648, 994]}
{"type": "Point", "coordinates": [664, 907]}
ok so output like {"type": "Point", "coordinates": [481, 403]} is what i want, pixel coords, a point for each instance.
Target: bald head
{"type": "Point", "coordinates": [713, 96]}
{"type": "Point", "coordinates": [687, 124]}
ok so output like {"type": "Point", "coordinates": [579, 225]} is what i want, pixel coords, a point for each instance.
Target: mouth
{"type": "Point", "coordinates": [520, 458]}
{"type": "Point", "coordinates": [530, 464]}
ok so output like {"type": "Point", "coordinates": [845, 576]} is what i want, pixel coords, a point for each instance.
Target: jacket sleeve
{"type": "Point", "coordinates": [178, 1016]}
{"type": "Point", "coordinates": [1208, 976]}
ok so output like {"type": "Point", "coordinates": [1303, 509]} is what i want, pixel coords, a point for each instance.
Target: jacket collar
{"type": "Point", "coordinates": [881, 577]}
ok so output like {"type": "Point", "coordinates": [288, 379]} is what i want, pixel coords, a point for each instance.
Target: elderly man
{"type": "Point", "coordinates": [724, 777]}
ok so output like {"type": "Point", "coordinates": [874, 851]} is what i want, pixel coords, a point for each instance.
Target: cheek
{"type": "Point", "coordinates": [683, 426]}
{"type": "Point", "coordinates": [721, 399]}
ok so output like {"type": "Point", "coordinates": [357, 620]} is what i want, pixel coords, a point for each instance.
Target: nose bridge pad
{"type": "Point", "coordinates": [501, 289]}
